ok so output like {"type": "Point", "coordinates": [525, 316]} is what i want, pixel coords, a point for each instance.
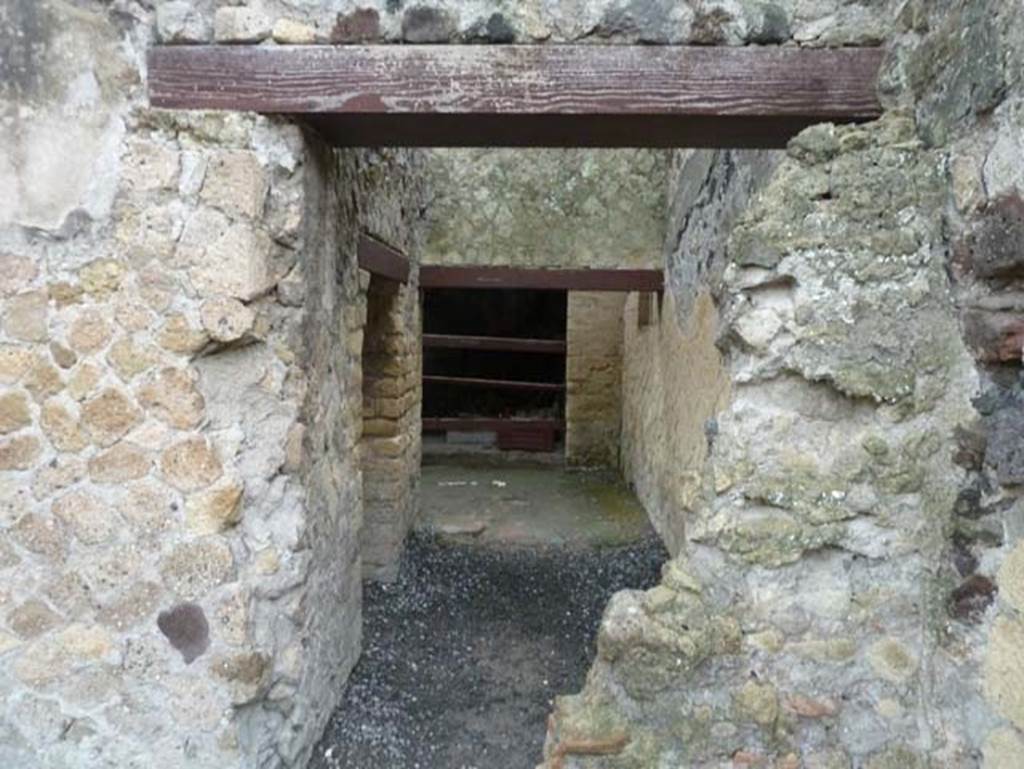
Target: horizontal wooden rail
{"type": "Point", "coordinates": [529, 95]}
{"type": "Point", "coordinates": [434, 276]}
{"type": "Point", "coordinates": [489, 424]}
{"type": "Point", "coordinates": [496, 384]}
{"type": "Point", "coordinates": [496, 343]}
{"type": "Point", "coordinates": [381, 259]}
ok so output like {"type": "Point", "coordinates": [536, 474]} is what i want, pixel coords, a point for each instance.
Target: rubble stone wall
{"type": "Point", "coordinates": [181, 403]}
{"type": "Point", "coordinates": [546, 208]}
{"type": "Point", "coordinates": [674, 380]}
{"type": "Point", "coordinates": [846, 588]}
{"type": "Point", "coordinates": [180, 408]}
{"type": "Point", "coordinates": [664, 22]}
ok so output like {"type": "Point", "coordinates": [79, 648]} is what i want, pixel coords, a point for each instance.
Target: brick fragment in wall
{"type": "Point", "coordinates": [995, 337]}
{"type": "Point", "coordinates": [993, 246]}
{"type": "Point", "coordinates": [390, 408]}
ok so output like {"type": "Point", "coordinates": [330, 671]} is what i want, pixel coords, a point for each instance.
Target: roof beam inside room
{"type": "Point", "coordinates": [540, 279]}
{"type": "Point", "coordinates": [540, 96]}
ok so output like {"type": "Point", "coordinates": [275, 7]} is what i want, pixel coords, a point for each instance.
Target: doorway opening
{"type": "Point", "coordinates": [523, 525]}
{"type": "Point", "coordinates": [644, 97]}
{"type": "Point", "coordinates": [493, 369]}
{"type": "Point", "coordinates": [388, 451]}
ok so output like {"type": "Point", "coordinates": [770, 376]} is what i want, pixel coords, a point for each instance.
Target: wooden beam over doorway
{"type": "Point", "coordinates": [434, 276]}
{"type": "Point", "coordinates": [378, 258]}
{"type": "Point", "coordinates": [528, 95]}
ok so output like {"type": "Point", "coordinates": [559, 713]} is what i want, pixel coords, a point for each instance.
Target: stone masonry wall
{"type": "Point", "coordinates": [179, 411]}
{"type": "Point", "coordinates": [180, 405]}
{"type": "Point", "coordinates": [674, 382]}
{"type": "Point", "coordinates": [847, 590]}
{"type": "Point", "coordinates": [795, 627]}
{"type": "Point", "coordinates": [968, 95]}
{"type": "Point", "coordinates": [673, 22]}
{"type": "Point", "coordinates": [546, 207]}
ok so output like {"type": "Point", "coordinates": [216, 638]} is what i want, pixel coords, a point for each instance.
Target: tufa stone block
{"type": "Point", "coordinates": [123, 462]}
{"type": "Point", "coordinates": [1011, 578]}
{"type": "Point", "coordinates": [237, 264]}
{"type": "Point", "coordinates": [25, 316]}
{"type": "Point", "coordinates": [216, 510]}
{"type": "Point", "coordinates": [239, 24]}
{"type": "Point", "coordinates": [40, 536]}
{"type": "Point", "coordinates": [194, 568]}
{"type": "Point", "coordinates": [292, 32]}
{"type": "Point", "coordinates": [19, 453]}
{"type": "Point", "coordinates": [226, 319]}
{"type": "Point", "coordinates": [110, 416]}
{"type": "Point", "coordinates": [89, 332]}
{"type": "Point", "coordinates": [62, 428]}
{"type": "Point", "coordinates": [180, 21]}
{"type": "Point", "coordinates": [131, 607]}
{"type": "Point", "coordinates": [172, 398]}
{"type": "Point", "coordinates": [88, 518]}
{"type": "Point", "coordinates": [14, 412]}
{"type": "Point", "coordinates": [236, 184]}
{"type": "Point", "coordinates": [1004, 670]}
{"type": "Point", "coordinates": [16, 273]}
{"type": "Point", "coordinates": [190, 465]}
{"type": "Point", "coordinates": [178, 335]}
{"type": "Point", "coordinates": [32, 619]}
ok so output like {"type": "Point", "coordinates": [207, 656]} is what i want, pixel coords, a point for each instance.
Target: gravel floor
{"type": "Point", "coordinates": [464, 654]}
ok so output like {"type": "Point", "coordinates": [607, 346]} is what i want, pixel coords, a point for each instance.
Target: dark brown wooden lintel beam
{"type": "Point", "coordinates": [381, 259]}
{"type": "Point", "coordinates": [532, 95]}
{"type": "Point", "coordinates": [433, 276]}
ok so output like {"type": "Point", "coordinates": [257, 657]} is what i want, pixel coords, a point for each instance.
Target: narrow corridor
{"type": "Point", "coordinates": [487, 622]}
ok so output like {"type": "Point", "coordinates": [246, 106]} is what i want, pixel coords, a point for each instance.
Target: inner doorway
{"type": "Point", "coordinates": [494, 369]}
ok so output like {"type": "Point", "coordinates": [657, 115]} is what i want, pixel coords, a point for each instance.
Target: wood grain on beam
{"type": "Point", "coordinates": [494, 343]}
{"type": "Point", "coordinates": [381, 259]}
{"type": "Point", "coordinates": [543, 279]}
{"type": "Point", "coordinates": [557, 95]}
{"type": "Point", "coordinates": [493, 384]}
